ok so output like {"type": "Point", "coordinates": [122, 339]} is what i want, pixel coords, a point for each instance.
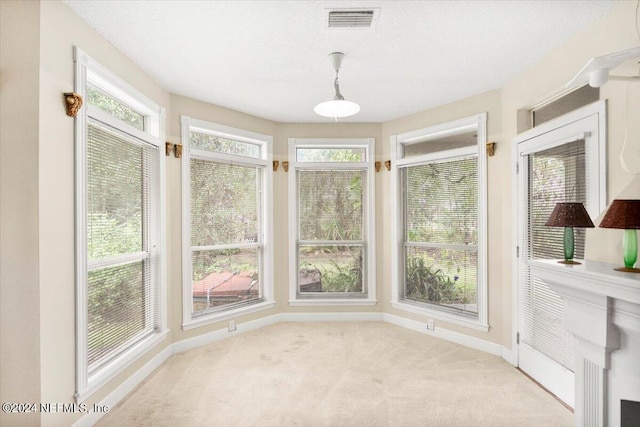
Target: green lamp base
{"type": "Point", "coordinates": [568, 261]}
{"type": "Point", "coordinates": [630, 249]}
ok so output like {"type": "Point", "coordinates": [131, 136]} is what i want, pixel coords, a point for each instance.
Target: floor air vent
{"type": "Point", "coordinates": [352, 18]}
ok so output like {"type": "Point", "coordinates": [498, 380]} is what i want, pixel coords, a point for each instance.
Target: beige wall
{"type": "Point", "coordinates": [37, 188]}
{"type": "Point", "coordinates": [19, 290]}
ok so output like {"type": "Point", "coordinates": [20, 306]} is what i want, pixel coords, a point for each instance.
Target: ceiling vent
{"type": "Point", "coordinates": [352, 18]}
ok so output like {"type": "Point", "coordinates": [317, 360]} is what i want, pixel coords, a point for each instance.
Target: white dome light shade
{"type": "Point", "coordinates": [337, 108]}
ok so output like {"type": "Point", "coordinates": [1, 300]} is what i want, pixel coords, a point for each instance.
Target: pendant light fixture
{"type": "Point", "coordinates": [337, 107]}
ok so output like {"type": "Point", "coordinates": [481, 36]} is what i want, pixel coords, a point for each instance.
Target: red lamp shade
{"type": "Point", "coordinates": [622, 214]}
{"type": "Point", "coordinates": [569, 215]}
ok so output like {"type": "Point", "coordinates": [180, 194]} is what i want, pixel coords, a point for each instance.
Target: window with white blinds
{"type": "Point", "coordinates": [439, 222]}
{"type": "Point", "coordinates": [226, 214]}
{"type": "Point", "coordinates": [122, 184]}
{"type": "Point", "coordinates": [331, 220]}
{"type": "Point", "coordinates": [556, 175]}
{"type": "Point", "coordinates": [331, 213]}
{"type": "Point", "coordinates": [226, 242]}
{"type": "Point", "coordinates": [119, 175]}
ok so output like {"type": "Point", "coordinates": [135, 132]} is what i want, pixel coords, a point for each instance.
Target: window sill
{"type": "Point", "coordinates": [442, 315]}
{"type": "Point", "coordinates": [117, 365]}
{"type": "Point", "coordinates": [312, 302]}
{"type": "Point", "coordinates": [224, 315]}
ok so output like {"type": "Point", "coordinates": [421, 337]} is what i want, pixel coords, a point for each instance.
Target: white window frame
{"type": "Point", "coordinates": [87, 70]}
{"type": "Point", "coordinates": [265, 267]}
{"type": "Point", "coordinates": [542, 137]}
{"type": "Point", "coordinates": [368, 144]}
{"type": "Point", "coordinates": [477, 123]}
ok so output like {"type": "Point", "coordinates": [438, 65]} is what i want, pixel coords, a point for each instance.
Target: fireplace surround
{"type": "Point", "coordinates": [602, 310]}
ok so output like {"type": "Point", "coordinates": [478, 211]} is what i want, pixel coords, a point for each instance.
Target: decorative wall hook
{"type": "Point", "coordinates": [73, 102]}
{"type": "Point", "coordinates": [491, 148]}
{"type": "Point", "coordinates": [168, 148]}
{"type": "Point", "coordinates": [387, 164]}
{"type": "Point", "coordinates": [275, 165]}
{"type": "Point", "coordinates": [378, 165]}
{"type": "Point", "coordinates": [285, 166]}
{"type": "Point", "coordinates": [177, 150]}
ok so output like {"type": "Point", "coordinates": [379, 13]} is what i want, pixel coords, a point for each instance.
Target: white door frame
{"type": "Point", "coordinates": [598, 108]}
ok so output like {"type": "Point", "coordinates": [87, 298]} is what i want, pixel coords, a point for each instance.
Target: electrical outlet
{"type": "Point", "coordinates": [232, 325]}
{"type": "Point", "coordinates": [430, 324]}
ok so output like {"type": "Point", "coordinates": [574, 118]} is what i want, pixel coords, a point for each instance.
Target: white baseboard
{"type": "Point", "coordinates": [125, 388]}
{"type": "Point", "coordinates": [332, 317]}
{"type": "Point", "coordinates": [509, 356]}
{"type": "Point", "coordinates": [190, 343]}
{"type": "Point", "coordinates": [456, 337]}
{"type": "Point", "coordinates": [208, 338]}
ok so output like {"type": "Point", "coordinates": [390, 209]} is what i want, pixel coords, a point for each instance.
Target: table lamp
{"type": "Point", "coordinates": [625, 214]}
{"type": "Point", "coordinates": [569, 215]}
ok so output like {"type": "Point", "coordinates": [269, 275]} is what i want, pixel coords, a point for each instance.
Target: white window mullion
{"type": "Point", "coordinates": [82, 372]}
{"type": "Point", "coordinates": [470, 248]}
{"type": "Point", "coordinates": [117, 260]}
{"type": "Point", "coordinates": [187, 262]}
{"type": "Point", "coordinates": [223, 247]}
{"type": "Point", "coordinates": [226, 158]}
{"type": "Point", "coordinates": [330, 242]}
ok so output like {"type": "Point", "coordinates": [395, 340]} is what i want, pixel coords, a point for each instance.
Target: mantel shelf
{"type": "Point", "coordinates": [592, 277]}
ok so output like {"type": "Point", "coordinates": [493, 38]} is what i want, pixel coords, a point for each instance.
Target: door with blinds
{"type": "Point", "coordinates": [561, 161]}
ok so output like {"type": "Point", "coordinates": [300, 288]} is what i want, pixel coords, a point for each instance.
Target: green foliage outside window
{"type": "Point", "coordinates": [116, 298]}
{"type": "Point", "coordinates": [429, 283]}
{"type": "Point", "coordinates": [218, 144]}
{"type": "Point", "coordinates": [337, 268]}
{"type": "Point", "coordinates": [116, 108]}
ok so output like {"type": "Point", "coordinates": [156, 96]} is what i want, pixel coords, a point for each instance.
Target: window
{"type": "Point", "coordinates": [331, 203]}
{"type": "Point", "coordinates": [120, 256]}
{"type": "Point", "coordinates": [439, 255]}
{"type": "Point", "coordinates": [227, 247]}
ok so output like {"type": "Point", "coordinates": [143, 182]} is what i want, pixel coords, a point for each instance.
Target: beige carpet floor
{"type": "Point", "coordinates": [337, 374]}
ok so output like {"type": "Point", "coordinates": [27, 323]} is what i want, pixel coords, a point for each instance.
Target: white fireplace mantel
{"type": "Point", "coordinates": [602, 311]}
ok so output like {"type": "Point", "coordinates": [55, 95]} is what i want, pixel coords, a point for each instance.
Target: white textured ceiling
{"type": "Point", "coordinates": [269, 58]}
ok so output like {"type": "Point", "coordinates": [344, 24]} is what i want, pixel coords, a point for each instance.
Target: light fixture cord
{"type": "Point", "coordinates": [336, 84]}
